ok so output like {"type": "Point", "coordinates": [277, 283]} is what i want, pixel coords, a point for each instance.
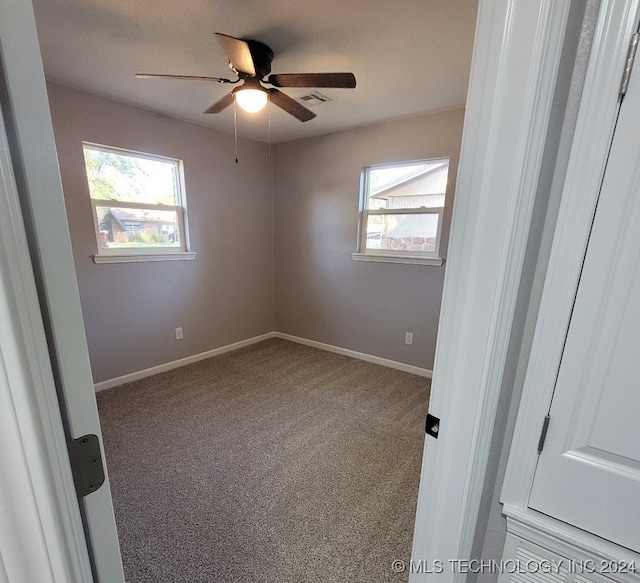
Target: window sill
{"type": "Point", "coordinates": [143, 258]}
{"type": "Point", "coordinates": [411, 259]}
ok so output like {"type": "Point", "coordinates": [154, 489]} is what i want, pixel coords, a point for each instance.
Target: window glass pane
{"type": "Point", "coordinates": [413, 232]}
{"type": "Point", "coordinates": [122, 228]}
{"type": "Point", "coordinates": [128, 178]}
{"type": "Point", "coordinates": [414, 185]}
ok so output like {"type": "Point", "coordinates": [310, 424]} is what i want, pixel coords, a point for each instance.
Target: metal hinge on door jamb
{"type": "Point", "coordinates": [628, 66]}
{"type": "Point", "coordinates": [543, 434]}
{"type": "Point", "coordinates": [86, 464]}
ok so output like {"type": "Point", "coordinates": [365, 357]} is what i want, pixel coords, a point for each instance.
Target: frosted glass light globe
{"type": "Point", "coordinates": [251, 100]}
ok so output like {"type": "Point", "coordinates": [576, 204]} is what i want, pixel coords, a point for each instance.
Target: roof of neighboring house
{"type": "Point", "coordinates": [412, 174]}
{"type": "Point", "coordinates": [122, 215]}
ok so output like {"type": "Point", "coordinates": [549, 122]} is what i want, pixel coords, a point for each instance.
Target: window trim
{"type": "Point", "coordinates": [412, 260]}
{"type": "Point", "coordinates": [392, 255]}
{"type": "Point", "coordinates": [139, 254]}
{"type": "Point", "coordinates": [144, 257]}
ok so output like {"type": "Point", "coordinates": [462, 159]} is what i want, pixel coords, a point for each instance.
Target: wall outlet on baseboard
{"type": "Point", "coordinates": [408, 338]}
{"type": "Point", "coordinates": [179, 333]}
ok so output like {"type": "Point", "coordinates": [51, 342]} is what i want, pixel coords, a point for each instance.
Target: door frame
{"type": "Point", "coordinates": [513, 78]}
{"type": "Point", "coordinates": [39, 505]}
{"type": "Point", "coordinates": [50, 264]}
{"type": "Point", "coordinates": [517, 53]}
{"type": "Point", "coordinates": [595, 126]}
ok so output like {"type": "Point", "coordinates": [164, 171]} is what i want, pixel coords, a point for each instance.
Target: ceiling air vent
{"type": "Point", "coordinates": [315, 98]}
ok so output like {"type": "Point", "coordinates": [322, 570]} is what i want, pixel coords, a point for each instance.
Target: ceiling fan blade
{"type": "Point", "coordinates": [338, 80]}
{"type": "Point", "coordinates": [291, 106]}
{"type": "Point", "coordinates": [221, 104]}
{"type": "Point", "coordinates": [238, 52]}
{"type": "Point", "coordinates": [182, 77]}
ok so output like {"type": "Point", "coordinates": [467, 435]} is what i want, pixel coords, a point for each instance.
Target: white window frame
{"type": "Point", "coordinates": [392, 255]}
{"type": "Point", "coordinates": [140, 254]}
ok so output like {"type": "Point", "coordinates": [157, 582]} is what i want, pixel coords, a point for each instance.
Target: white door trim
{"type": "Point", "coordinates": [35, 163]}
{"type": "Point", "coordinates": [592, 138]}
{"type": "Point", "coordinates": [516, 56]}
{"type": "Point", "coordinates": [39, 508]}
{"type": "Point", "coordinates": [594, 129]}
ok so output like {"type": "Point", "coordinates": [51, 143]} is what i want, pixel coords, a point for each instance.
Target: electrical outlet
{"type": "Point", "coordinates": [179, 333]}
{"type": "Point", "coordinates": [408, 338]}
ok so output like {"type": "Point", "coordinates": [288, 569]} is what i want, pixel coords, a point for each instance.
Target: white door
{"type": "Point", "coordinates": [588, 473]}
{"type": "Point", "coordinates": [35, 166]}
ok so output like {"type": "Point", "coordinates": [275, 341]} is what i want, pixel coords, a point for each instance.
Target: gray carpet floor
{"type": "Point", "coordinates": [275, 463]}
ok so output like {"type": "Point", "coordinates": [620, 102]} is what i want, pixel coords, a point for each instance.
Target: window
{"type": "Point", "coordinates": [138, 204]}
{"type": "Point", "coordinates": [401, 211]}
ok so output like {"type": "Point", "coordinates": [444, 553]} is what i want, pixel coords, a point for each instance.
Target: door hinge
{"type": "Point", "coordinates": [432, 426]}
{"type": "Point", "coordinates": [628, 66]}
{"type": "Point", "coordinates": [543, 433]}
{"type": "Point", "coordinates": [86, 464]}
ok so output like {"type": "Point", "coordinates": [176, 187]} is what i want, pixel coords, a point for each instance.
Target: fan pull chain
{"type": "Point", "coordinates": [235, 127]}
{"type": "Point", "coordinates": [269, 126]}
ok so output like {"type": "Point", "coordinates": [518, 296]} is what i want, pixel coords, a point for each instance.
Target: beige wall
{"type": "Point", "coordinates": [225, 295]}
{"type": "Point", "coordinates": [306, 202]}
{"type": "Point", "coordinates": [321, 292]}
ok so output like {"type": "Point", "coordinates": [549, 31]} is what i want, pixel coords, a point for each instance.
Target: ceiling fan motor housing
{"type": "Point", "coordinates": [262, 56]}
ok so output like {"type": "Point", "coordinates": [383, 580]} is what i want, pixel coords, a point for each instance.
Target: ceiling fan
{"type": "Point", "coordinates": [251, 61]}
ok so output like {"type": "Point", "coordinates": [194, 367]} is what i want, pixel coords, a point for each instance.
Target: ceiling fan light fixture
{"type": "Point", "coordinates": [251, 60]}
{"type": "Point", "coordinates": [251, 100]}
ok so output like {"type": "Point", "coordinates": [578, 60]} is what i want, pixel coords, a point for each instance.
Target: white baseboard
{"type": "Point", "coordinates": [147, 372]}
{"type": "Point", "coordinates": [423, 372]}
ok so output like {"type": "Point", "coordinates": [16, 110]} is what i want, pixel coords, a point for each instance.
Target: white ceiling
{"type": "Point", "coordinates": [409, 57]}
